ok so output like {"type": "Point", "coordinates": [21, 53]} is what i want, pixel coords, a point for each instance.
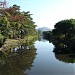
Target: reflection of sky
{"type": "Point", "coordinates": [46, 63]}
{"type": "Point", "coordinates": [47, 12]}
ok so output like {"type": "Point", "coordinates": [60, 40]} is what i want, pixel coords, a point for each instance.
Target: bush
{"type": "Point", "coordinates": [1, 40]}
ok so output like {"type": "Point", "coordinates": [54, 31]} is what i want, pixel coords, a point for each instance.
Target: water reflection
{"type": "Point", "coordinates": [64, 54]}
{"type": "Point", "coordinates": [18, 60]}
{"type": "Point", "coordinates": [67, 58]}
{"type": "Point", "coordinates": [40, 38]}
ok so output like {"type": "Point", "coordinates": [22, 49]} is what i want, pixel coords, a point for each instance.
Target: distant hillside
{"type": "Point", "coordinates": [42, 29]}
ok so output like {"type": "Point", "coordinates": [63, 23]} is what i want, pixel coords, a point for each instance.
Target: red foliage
{"type": "Point", "coordinates": [16, 18]}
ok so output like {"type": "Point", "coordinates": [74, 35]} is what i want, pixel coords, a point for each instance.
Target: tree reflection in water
{"type": "Point", "coordinates": [64, 50]}
{"type": "Point", "coordinates": [18, 60]}
{"type": "Point", "coordinates": [64, 56]}
{"type": "Point", "coordinates": [67, 58]}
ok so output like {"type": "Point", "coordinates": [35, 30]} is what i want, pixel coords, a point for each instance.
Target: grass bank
{"type": "Point", "coordinates": [12, 43]}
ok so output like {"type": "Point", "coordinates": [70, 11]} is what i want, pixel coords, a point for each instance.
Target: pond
{"type": "Point", "coordinates": [36, 58]}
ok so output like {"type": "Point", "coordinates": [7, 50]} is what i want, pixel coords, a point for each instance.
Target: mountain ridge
{"type": "Point", "coordinates": [44, 29]}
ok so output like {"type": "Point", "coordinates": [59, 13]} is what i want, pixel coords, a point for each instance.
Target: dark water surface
{"type": "Point", "coordinates": [36, 58]}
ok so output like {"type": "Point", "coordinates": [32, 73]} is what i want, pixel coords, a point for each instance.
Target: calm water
{"type": "Point", "coordinates": [36, 58]}
{"type": "Point", "coordinates": [46, 63]}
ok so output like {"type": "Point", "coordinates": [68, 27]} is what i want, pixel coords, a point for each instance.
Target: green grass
{"type": "Point", "coordinates": [12, 43]}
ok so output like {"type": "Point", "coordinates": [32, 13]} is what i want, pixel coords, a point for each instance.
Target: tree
{"type": "Point", "coordinates": [64, 34]}
{"type": "Point", "coordinates": [47, 35]}
{"type": "Point", "coordinates": [5, 26]}
{"type": "Point", "coordinates": [16, 24]}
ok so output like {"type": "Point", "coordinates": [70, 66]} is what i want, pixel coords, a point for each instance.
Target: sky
{"type": "Point", "coordinates": [46, 13]}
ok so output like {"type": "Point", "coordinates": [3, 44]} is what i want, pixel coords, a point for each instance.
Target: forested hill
{"type": "Point", "coordinates": [42, 29]}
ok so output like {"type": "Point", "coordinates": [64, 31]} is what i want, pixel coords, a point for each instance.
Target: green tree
{"type": "Point", "coordinates": [47, 35]}
{"type": "Point", "coordinates": [16, 24]}
{"type": "Point", "coordinates": [64, 34]}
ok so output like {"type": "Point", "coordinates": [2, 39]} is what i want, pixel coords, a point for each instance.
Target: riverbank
{"type": "Point", "coordinates": [12, 43]}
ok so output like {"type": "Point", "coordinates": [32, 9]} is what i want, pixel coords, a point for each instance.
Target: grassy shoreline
{"type": "Point", "coordinates": [12, 43]}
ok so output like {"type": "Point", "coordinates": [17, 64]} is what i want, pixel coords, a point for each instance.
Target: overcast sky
{"type": "Point", "coordinates": [47, 12]}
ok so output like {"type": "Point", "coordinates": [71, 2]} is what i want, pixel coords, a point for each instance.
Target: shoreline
{"type": "Point", "coordinates": [12, 43]}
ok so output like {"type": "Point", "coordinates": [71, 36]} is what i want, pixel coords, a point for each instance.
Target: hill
{"type": "Point", "coordinates": [42, 29]}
